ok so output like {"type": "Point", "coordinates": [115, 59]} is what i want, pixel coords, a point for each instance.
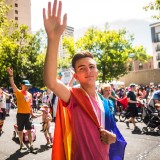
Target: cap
{"type": "Point", "coordinates": [60, 74]}
{"type": "Point", "coordinates": [44, 107]}
{"type": "Point", "coordinates": [26, 83]}
{"type": "Point", "coordinates": [132, 85]}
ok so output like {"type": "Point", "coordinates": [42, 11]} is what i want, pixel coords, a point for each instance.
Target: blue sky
{"type": "Point", "coordinates": [84, 13]}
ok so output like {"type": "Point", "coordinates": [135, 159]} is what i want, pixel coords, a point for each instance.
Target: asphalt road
{"type": "Point", "coordinates": [139, 146]}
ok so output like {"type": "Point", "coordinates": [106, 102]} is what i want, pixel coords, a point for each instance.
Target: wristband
{"type": "Point", "coordinates": [10, 75]}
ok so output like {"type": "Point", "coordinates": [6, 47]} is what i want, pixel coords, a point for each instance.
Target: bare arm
{"type": "Point", "coordinates": [7, 94]}
{"type": "Point", "coordinates": [113, 97]}
{"type": "Point", "coordinates": [54, 29]}
{"type": "Point", "coordinates": [11, 79]}
{"type": "Point", "coordinates": [70, 84]}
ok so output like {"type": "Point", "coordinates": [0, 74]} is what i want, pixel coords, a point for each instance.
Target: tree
{"type": "Point", "coordinates": [21, 50]}
{"type": "Point", "coordinates": [154, 6]}
{"type": "Point", "coordinates": [4, 9]}
{"type": "Point", "coordinates": [110, 48]}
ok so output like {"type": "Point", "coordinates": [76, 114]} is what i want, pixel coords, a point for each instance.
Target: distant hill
{"type": "Point", "coordinates": [139, 28]}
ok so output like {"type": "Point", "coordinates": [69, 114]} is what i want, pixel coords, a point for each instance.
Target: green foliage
{"type": "Point", "coordinates": [68, 43]}
{"type": "Point", "coordinates": [20, 50]}
{"type": "Point", "coordinates": [63, 63]}
{"type": "Point", "coordinates": [111, 50]}
{"type": "Point", "coordinates": [154, 6]}
{"type": "Point", "coordinates": [140, 54]}
{"type": "Point", "coordinates": [3, 11]}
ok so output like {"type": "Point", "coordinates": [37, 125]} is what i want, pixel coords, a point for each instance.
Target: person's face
{"type": "Point", "coordinates": [133, 88]}
{"type": "Point", "coordinates": [25, 88]}
{"type": "Point", "coordinates": [112, 86]}
{"type": "Point", "coordinates": [107, 92]}
{"type": "Point", "coordinates": [86, 70]}
{"type": "Point", "coordinates": [158, 106]}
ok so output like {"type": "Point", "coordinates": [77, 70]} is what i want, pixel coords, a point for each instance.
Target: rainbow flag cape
{"type": "Point", "coordinates": [62, 144]}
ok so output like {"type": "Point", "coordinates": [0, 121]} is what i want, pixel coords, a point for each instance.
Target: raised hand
{"type": "Point", "coordinates": [52, 22]}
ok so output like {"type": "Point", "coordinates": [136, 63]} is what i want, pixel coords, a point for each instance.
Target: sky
{"type": "Point", "coordinates": [84, 13]}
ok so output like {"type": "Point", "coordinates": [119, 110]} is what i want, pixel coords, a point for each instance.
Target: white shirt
{"type": "Point", "coordinates": [2, 101]}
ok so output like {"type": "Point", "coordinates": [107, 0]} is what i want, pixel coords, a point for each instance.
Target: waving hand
{"type": "Point", "coordinates": [52, 22]}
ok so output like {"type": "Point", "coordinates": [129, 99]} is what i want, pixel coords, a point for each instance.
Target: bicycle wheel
{"type": "Point", "coordinates": [139, 118]}
{"type": "Point", "coordinates": [122, 117]}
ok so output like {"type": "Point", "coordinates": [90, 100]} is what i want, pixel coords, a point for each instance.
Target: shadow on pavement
{"type": "Point", "coordinates": [18, 154]}
{"type": "Point", "coordinates": [137, 132]}
{"type": "Point", "coordinates": [151, 133]}
{"type": "Point", "coordinates": [43, 148]}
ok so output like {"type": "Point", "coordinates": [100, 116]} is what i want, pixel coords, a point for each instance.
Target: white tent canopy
{"type": "Point", "coordinates": [78, 85]}
{"type": "Point", "coordinates": [117, 84]}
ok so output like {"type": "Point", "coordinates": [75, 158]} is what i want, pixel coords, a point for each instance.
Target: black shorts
{"type": "Point", "coordinates": [133, 111]}
{"type": "Point", "coordinates": [24, 121]}
{"type": "Point", "coordinates": [3, 114]}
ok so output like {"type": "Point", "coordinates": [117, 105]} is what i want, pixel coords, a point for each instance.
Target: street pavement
{"type": "Point", "coordinates": [139, 146]}
{"type": "Point", "coordinates": [9, 146]}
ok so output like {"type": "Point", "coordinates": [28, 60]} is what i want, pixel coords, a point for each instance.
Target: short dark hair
{"type": "Point", "coordinates": [79, 55]}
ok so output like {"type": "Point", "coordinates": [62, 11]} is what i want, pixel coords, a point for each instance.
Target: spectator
{"type": "Point", "coordinates": [46, 123]}
{"type": "Point", "coordinates": [9, 100]}
{"type": "Point", "coordinates": [34, 103]}
{"type": "Point", "coordinates": [154, 97]}
{"type": "Point", "coordinates": [24, 112]}
{"type": "Point", "coordinates": [132, 109]}
{"type": "Point", "coordinates": [44, 97]}
{"type": "Point", "coordinates": [106, 92]}
{"type": "Point", "coordinates": [39, 100]}
{"type": "Point", "coordinates": [2, 108]}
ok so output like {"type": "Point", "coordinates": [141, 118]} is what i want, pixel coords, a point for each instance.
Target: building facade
{"type": "Point", "coordinates": [155, 35]}
{"type": "Point", "coordinates": [145, 73]}
{"type": "Point", "coordinates": [139, 66]}
{"type": "Point", "coordinates": [69, 32]}
{"type": "Point", "coordinates": [20, 12]}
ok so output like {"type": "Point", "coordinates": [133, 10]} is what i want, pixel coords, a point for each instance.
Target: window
{"type": "Point", "coordinates": [16, 11]}
{"type": "Point", "coordinates": [158, 56]}
{"type": "Point", "coordinates": [140, 66]}
{"type": "Point", "coordinates": [16, 4]}
{"type": "Point", "coordinates": [158, 47]}
{"type": "Point", "coordinates": [16, 18]}
{"type": "Point", "coordinates": [157, 36]}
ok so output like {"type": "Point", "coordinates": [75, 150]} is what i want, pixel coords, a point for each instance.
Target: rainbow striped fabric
{"type": "Point", "coordinates": [62, 144]}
